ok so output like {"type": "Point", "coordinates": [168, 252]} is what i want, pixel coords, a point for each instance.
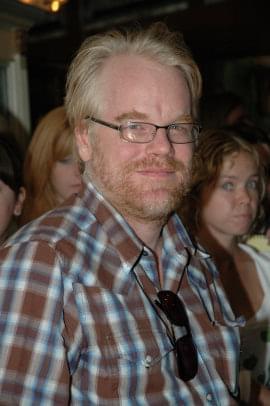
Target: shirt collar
{"type": "Point", "coordinates": [123, 238]}
{"type": "Point", "coordinates": [120, 234]}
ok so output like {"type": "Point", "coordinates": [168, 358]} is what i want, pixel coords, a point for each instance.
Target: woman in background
{"type": "Point", "coordinates": [51, 173]}
{"type": "Point", "coordinates": [259, 139]}
{"type": "Point", "coordinates": [221, 209]}
{"type": "Point", "coordinates": [12, 192]}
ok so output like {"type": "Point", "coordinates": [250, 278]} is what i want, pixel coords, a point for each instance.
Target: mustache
{"type": "Point", "coordinates": [166, 163]}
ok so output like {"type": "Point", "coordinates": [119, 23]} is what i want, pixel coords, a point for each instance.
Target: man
{"type": "Point", "coordinates": [105, 300]}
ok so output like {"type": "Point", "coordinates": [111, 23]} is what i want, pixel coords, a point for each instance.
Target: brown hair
{"type": "Point", "coordinates": [213, 147]}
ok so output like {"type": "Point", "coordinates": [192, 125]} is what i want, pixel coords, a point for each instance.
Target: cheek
{"type": "Point", "coordinates": [58, 176]}
{"type": "Point", "coordinates": [214, 207]}
{"type": "Point", "coordinates": [255, 203]}
{"type": "Point", "coordinates": [184, 153]}
{"type": "Point", "coordinates": [7, 205]}
{"type": "Point", "coordinates": [208, 213]}
{"type": "Point", "coordinates": [119, 154]}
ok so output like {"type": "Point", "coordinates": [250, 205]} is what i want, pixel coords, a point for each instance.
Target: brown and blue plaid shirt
{"type": "Point", "coordinates": [76, 327]}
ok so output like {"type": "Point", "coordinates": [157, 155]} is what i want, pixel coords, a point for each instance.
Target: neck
{"type": "Point", "coordinates": [218, 246]}
{"type": "Point", "coordinates": [149, 232]}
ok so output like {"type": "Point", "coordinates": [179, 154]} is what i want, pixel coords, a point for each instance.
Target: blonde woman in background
{"type": "Point", "coordinates": [51, 172]}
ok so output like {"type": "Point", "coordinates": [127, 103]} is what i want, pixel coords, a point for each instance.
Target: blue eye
{"type": "Point", "coordinates": [253, 184]}
{"type": "Point", "coordinates": [180, 127]}
{"type": "Point", "coordinates": [136, 126]}
{"type": "Point", "coordinates": [227, 186]}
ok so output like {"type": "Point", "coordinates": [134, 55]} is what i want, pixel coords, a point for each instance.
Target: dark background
{"type": "Point", "coordinates": [230, 40]}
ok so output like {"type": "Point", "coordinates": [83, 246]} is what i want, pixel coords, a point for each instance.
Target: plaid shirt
{"type": "Point", "coordinates": [76, 327]}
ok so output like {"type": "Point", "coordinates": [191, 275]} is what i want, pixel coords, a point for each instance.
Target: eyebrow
{"type": "Point", "coordinates": [254, 175]}
{"type": "Point", "coordinates": [183, 118]}
{"type": "Point", "coordinates": [136, 115]}
{"type": "Point", "coordinates": [131, 115]}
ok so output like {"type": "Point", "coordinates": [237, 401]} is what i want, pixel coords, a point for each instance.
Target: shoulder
{"type": "Point", "coordinates": [259, 242]}
{"type": "Point", "coordinates": [64, 222]}
{"type": "Point", "coordinates": [260, 258]}
{"type": "Point", "coordinates": [61, 233]}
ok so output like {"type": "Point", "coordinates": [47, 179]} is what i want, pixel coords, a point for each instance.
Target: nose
{"type": "Point", "coordinates": [244, 196]}
{"type": "Point", "coordinates": [160, 145]}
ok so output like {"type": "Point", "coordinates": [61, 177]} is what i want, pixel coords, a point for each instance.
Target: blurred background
{"type": "Point", "coordinates": [230, 40]}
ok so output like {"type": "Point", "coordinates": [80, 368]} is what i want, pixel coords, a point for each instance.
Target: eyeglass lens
{"type": "Point", "coordinates": [145, 132]}
{"type": "Point", "coordinates": [184, 348]}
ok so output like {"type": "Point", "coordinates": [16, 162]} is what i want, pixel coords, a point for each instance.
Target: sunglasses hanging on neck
{"type": "Point", "coordinates": [173, 308]}
{"type": "Point", "coordinates": [184, 348]}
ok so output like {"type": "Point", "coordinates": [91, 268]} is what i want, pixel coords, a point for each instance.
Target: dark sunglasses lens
{"type": "Point", "coordinates": [186, 356]}
{"type": "Point", "coordinates": [185, 351]}
{"type": "Point", "coordinates": [173, 307]}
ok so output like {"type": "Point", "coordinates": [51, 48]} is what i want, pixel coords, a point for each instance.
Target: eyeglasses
{"type": "Point", "coordinates": [142, 133]}
{"type": "Point", "coordinates": [184, 348]}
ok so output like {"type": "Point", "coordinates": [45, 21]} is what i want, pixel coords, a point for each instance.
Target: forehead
{"type": "Point", "coordinates": [134, 82]}
{"type": "Point", "coordinates": [242, 161]}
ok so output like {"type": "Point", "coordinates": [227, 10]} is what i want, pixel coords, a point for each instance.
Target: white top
{"type": "Point", "coordinates": [255, 336]}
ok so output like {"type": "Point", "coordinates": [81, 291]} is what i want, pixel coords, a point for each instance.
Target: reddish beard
{"type": "Point", "coordinates": [154, 162]}
{"type": "Point", "coordinates": [148, 200]}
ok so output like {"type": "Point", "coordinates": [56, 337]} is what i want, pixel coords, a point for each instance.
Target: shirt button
{"type": "Point", "coordinates": [145, 253]}
{"type": "Point", "coordinates": [209, 397]}
{"type": "Point", "coordinates": [147, 361]}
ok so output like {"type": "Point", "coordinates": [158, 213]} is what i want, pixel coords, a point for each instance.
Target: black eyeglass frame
{"type": "Point", "coordinates": [120, 127]}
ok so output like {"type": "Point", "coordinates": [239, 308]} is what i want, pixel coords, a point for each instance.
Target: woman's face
{"type": "Point", "coordinates": [66, 178]}
{"type": "Point", "coordinates": [9, 206]}
{"type": "Point", "coordinates": [230, 206]}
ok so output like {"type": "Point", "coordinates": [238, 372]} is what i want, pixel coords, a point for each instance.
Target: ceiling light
{"type": "Point", "coordinates": [48, 5]}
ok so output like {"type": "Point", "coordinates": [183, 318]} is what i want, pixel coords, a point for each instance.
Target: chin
{"type": "Point", "coordinates": [152, 209]}
{"type": "Point", "coordinates": [241, 232]}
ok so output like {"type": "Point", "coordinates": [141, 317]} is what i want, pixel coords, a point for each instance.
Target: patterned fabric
{"type": "Point", "coordinates": [255, 336]}
{"type": "Point", "coordinates": [76, 327]}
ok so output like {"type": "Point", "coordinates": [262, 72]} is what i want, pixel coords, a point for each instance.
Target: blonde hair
{"type": "Point", "coordinates": [52, 141]}
{"type": "Point", "coordinates": [156, 42]}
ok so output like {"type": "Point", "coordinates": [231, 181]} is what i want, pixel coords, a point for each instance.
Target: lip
{"type": "Point", "coordinates": [156, 172]}
{"type": "Point", "coordinates": [243, 217]}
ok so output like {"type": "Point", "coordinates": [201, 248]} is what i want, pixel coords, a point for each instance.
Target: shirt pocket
{"type": "Point", "coordinates": [139, 352]}
{"type": "Point", "coordinates": [115, 339]}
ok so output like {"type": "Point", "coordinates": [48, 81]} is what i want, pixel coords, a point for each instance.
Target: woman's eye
{"type": "Point", "coordinates": [66, 160]}
{"type": "Point", "coordinates": [227, 186]}
{"type": "Point", "coordinates": [253, 184]}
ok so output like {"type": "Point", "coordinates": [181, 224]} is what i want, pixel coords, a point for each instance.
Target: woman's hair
{"type": "Point", "coordinates": [156, 43]}
{"type": "Point", "coordinates": [249, 132]}
{"type": "Point", "coordinates": [213, 147]}
{"type": "Point", "coordinates": [52, 141]}
{"type": "Point", "coordinates": [11, 162]}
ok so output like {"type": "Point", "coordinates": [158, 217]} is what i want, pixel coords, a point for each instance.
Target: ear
{"type": "Point", "coordinates": [83, 142]}
{"type": "Point", "coordinates": [19, 203]}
